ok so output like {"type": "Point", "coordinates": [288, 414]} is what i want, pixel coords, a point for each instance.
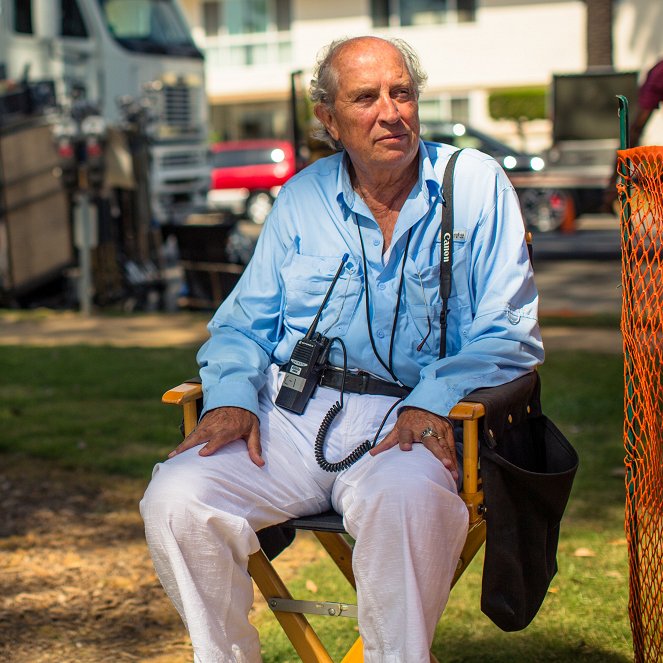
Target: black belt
{"type": "Point", "coordinates": [360, 383]}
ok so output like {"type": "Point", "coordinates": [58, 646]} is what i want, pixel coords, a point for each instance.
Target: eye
{"type": "Point", "coordinates": [403, 94]}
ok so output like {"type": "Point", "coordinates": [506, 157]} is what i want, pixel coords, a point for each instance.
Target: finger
{"type": "Point", "coordinates": [215, 442]}
{"type": "Point", "coordinates": [196, 437]}
{"type": "Point", "coordinates": [407, 439]}
{"type": "Point", "coordinates": [444, 452]}
{"type": "Point", "coordinates": [393, 438]}
{"type": "Point", "coordinates": [390, 440]}
{"type": "Point", "coordinates": [254, 446]}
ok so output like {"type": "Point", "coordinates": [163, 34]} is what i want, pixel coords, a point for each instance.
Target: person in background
{"type": "Point", "coordinates": [650, 97]}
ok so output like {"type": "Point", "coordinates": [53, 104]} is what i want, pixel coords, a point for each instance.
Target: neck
{"type": "Point", "coordinates": [387, 194]}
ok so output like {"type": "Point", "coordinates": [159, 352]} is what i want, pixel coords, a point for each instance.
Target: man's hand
{"type": "Point", "coordinates": [410, 425]}
{"type": "Point", "coordinates": [222, 426]}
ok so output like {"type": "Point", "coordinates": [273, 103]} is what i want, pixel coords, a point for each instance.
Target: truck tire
{"type": "Point", "coordinates": [258, 206]}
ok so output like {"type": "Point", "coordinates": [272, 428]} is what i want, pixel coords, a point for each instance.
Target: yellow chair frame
{"type": "Point", "coordinates": [297, 628]}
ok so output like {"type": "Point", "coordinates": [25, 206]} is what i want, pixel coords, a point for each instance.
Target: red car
{"type": "Point", "coordinates": [247, 175]}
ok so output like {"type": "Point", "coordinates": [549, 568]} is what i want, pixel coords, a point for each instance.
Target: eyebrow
{"type": "Point", "coordinates": [371, 88]}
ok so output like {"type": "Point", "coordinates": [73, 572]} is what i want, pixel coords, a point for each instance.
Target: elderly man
{"type": "Point", "coordinates": [354, 239]}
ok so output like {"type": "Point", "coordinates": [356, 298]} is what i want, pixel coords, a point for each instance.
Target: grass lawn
{"type": "Point", "coordinates": [98, 409]}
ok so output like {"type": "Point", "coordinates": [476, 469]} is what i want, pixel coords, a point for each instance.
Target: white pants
{"type": "Point", "coordinates": [402, 508]}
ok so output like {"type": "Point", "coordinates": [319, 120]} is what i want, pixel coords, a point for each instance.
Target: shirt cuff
{"type": "Point", "coordinates": [230, 394]}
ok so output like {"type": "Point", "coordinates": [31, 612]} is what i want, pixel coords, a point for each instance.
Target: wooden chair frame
{"type": "Point", "coordinates": [304, 639]}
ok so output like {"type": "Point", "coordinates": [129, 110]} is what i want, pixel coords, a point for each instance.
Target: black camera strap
{"type": "Point", "coordinates": [446, 246]}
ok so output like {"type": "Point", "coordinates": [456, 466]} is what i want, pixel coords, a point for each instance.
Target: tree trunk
{"type": "Point", "coordinates": [599, 33]}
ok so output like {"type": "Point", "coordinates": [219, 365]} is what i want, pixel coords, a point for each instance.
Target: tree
{"type": "Point", "coordinates": [519, 105]}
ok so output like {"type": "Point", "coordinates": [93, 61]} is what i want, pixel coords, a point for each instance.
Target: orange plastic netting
{"type": "Point", "coordinates": [641, 200]}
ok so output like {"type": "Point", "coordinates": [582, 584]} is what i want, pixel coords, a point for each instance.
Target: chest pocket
{"type": "Point", "coordinates": [306, 280]}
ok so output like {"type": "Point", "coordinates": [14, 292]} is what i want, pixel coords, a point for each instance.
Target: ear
{"type": "Point", "coordinates": [326, 117]}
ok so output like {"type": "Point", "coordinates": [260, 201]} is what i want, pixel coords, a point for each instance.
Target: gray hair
{"type": "Point", "coordinates": [324, 84]}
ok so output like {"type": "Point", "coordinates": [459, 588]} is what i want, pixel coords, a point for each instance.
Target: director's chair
{"type": "Point", "coordinates": [504, 402]}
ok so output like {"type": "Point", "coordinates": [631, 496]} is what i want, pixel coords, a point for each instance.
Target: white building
{"type": "Point", "coordinates": [468, 47]}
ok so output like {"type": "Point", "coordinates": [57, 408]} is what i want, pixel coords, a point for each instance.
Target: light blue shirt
{"type": "Point", "coordinates": [493, 333]}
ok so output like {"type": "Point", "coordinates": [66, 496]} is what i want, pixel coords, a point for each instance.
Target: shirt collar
{"type": "Point", "coordinates": [427, 187]}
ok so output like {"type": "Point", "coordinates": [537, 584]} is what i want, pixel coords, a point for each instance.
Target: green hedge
{"type": "Point", "coordinates": [518, 103]}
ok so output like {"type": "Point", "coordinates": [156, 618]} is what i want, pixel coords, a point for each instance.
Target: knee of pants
{"type": "Point", "coordinates": [179, 501]}
{"type": "Point", "coordinates": [168, 497]}
{"type": "Point", "coordinates": [407, 493]}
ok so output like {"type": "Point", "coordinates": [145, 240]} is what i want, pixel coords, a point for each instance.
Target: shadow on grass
{"type": "Point", "coordinates": [77, 583]}
{"type": "Point", "coordinates": [55, 505]}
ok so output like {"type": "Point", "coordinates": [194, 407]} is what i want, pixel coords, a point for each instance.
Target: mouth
{"type": "Point", "coordinates": [391, 137]}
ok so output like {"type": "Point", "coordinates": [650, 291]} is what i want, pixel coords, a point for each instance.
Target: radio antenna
{"type": "Point", "coordinates": [314, 324]}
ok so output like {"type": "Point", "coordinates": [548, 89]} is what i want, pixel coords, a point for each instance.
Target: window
{"type": "Point", "coordinates": [444, 107]}
{"type": "Point", "coordinates": [72, 21]}
{"type": "Point", "coordinates": [148, 26]}
{"type": "Point", "coordinates": [245, 16]}
{"type": "Point", "coordinates": [23, 17]}
{"type": "Point", "coordinates": [211, 18]}
{"type": "Point", "coordinates": [250, 33]}
{"type": "Point", "coordinates": [421, 12]}
{"type": "Point", "coordinates": [241, 17]}
{"type": "Point", "coordinates": [72, 24]}
{"type": "Point", "coordinates": [247, 157]}
{"type": "Point", "coordinates": [282, 12]}
{"type": "Point", "coordinates": [466, 10]}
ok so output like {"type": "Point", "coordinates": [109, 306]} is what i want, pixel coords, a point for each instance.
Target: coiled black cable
{"type": "Point", "coordinates": [350, 459]}
{"type": "Point", "coordinates": [364, 447]}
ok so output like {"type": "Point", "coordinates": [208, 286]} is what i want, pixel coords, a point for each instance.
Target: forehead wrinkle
{"type": "Point", "coordinates": [368, 83]}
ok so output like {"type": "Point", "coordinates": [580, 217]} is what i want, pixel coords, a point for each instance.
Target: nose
{"type": "Point", "coordinates": [389, 109]}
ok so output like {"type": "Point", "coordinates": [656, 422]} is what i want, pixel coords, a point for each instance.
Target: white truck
{"type": "Point", "coordinates": [106, 50]}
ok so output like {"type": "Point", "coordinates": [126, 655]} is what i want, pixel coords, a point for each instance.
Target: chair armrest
{"type": "Point", "coordinates": [186, 395]}
{"type": "Point", "coordinates": [186, 392]}
{"type": "Point", "coordinates": [467, 411]}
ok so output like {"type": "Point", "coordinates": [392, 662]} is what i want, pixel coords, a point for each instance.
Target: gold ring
{"type": "Point", "coordinates": [428, 432]}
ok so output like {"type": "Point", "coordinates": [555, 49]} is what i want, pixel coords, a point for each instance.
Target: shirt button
{"type": "Point", "coordinates": [380, 333]}
{"type": "Point", "coordinates": [376, 242]}
{"type": "Point", "coordinates": [381, 286]}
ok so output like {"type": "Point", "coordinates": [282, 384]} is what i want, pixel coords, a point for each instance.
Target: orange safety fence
{"type": "Point", "coordinates": [640, 190]}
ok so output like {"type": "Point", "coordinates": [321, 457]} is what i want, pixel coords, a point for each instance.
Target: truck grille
{"type": "Point", "coordinates": [177, 106]}
{"type": "Point", "coordinates": [181, 160]}
{"type": "Point", "coordinates": [179, 109]}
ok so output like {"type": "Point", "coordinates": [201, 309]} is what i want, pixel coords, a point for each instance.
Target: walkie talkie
{"type": "Point", "coordinates": [307, 360]}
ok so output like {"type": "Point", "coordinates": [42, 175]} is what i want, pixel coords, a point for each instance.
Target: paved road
{"type": "Point", "coordinates": [579, 287]}
{"type": "Point", "coordinates": [580, 273]}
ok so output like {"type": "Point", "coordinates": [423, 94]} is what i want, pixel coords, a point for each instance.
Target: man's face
{"type": "Point", "coordinates": [375, 114]}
